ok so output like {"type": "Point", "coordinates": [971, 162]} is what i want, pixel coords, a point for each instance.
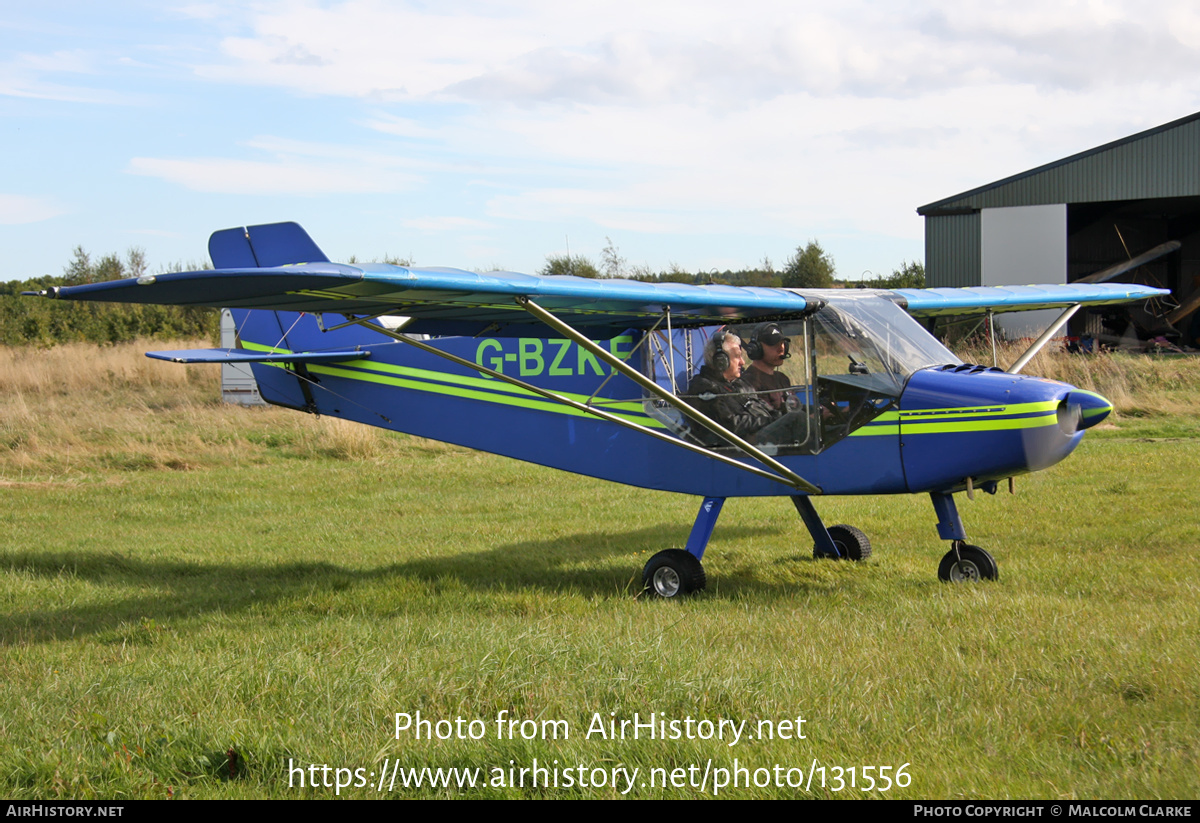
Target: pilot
{"type": "Point", "coordinates": [767, 349]}
{"type": "Point", "coordinates": [717, 393]}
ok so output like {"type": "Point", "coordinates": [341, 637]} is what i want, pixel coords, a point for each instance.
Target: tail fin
{"type": "Point", "coordinates": [259, 331]}
{"type": "Point", "coordinates": [273, 244]}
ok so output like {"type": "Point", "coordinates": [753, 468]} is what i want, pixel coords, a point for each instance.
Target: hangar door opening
{"type": "Point", "coordinates": [1018, 246]}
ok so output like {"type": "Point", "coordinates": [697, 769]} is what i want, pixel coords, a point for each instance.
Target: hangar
{"type": "Point", "coordinates": [1134, 200]}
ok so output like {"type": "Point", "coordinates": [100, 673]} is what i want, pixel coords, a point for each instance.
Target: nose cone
{"type": "Point", "coordinates": [1083, 409]}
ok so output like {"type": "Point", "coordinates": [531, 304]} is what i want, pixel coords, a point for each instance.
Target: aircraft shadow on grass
{"type": "Point", "coordinates": [178, 589]}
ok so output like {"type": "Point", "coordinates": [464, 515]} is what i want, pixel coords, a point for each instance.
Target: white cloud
{"type": "Point", "coordinates": [158, 233]}
{"type": "Point", "coordinates": [402, 127]}
{"type": "Point", "coordinates": [18, 209]}
{"type": "Point", "coordinates": [24, 75]}
{"type": "Point", "coordinates": [682, 116]}
{"type": "Point", "coordinates": [710, 54]}
{"type": "Point", "coordinates": [295, 177]}
{"type": "Point", "coordinates": [780, 118]}
{"type": "Point", "coordinates": [295, 167]}
{"type": "Point", "coordinates": [442, 224]}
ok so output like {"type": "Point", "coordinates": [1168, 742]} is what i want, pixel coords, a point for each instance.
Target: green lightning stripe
{"type": "Point", "coordinates": [474, 388]}
{"type": "Point", "coordinates": [484, 383]}
{"type": "Point", "coordinates": [964, 419]}
{"type": "Point", "coordinates": [872, 430]}
{"type": "Point", "coordinates": [982, 425]}
{"type": "Point", "coordinates": [1040, 407]}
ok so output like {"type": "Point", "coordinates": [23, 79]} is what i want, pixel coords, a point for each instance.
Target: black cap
{"type": "Point", "coordinates": [770, 335]}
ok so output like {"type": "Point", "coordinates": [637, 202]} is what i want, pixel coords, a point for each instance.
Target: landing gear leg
{"type": "Point", "coordinates": [839, 542]}
{"type": "Point", "coordinates": [676, 572]}
{"type": "Point", "coordinates": [964, 562]}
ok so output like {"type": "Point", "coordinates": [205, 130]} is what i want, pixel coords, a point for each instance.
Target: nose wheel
{"type": "Point", "coordinates": [966, 563]}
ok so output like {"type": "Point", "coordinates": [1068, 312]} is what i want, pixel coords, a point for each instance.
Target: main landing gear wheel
{"type": "Point", "coordinates": [673, 573]}
{"type": "Point", "coordinates": [967, 563]}
{"type": "Point", "coordinates": [851, 544]}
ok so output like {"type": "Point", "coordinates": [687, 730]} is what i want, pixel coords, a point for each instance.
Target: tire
{"type": "Point", "coordinates": [673, 573]}
{"type": "Point", "coordinates": [975, 564]}
{"type": "Point", "coordinates": [852, 543]}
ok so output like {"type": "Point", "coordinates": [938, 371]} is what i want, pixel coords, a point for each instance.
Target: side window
{"type": "Point", "coordinates": [770, 403]}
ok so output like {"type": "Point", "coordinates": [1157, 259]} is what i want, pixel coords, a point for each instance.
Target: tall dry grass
{"type": "Point", "coordinates": [85, 367]}
{"type": "Point", "coordinates": [80, 411]}
{"type": "Point", "coordinates": [77, 410]}
{"type": "Point", "coordinates": [1136, 384]}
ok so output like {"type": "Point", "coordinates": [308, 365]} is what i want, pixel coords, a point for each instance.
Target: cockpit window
{"type": "Point", "coordinates": [845, 366]}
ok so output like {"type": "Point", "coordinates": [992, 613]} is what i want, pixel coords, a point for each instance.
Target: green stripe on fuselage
{"type": "Point", "coordinates": [489, 390]}
{"type": "Point", "coordinates": [963, 419]}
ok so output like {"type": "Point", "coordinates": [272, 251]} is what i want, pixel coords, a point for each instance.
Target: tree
{"type": "Point", "coordinates": [908, 276]}
{"type": "Point", "coordinates": [809, 268]}
{"type": "Point", "coordinates": [611, 259]}
{"type": "Point", "coordinates": [79, 270]}
{"type": "Point", "coordinates": [564, 264]}
{"type": "Point", "coordinates": [135, 261]}
{"type": "Point", "coordinates": [109, 268]}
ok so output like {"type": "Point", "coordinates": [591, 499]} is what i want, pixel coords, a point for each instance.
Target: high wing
{"type": "Point", "coordinates": [278, 267]}
{"type": "Point", "coordinates": [997, 299]}
{"type": "Point", "coordinates": [452, 301]}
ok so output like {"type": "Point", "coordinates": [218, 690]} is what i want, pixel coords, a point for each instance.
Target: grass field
{"type": "Point", "coordinates": [199, 602]}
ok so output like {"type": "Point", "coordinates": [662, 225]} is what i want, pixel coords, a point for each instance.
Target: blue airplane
{"type": "Point", "coordinates": [592, 376]}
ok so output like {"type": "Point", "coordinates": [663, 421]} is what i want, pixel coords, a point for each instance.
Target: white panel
{"type": "Point", "coordinates": [237, 381]}
{"type": "Point", "coordinates": [1021, 246]}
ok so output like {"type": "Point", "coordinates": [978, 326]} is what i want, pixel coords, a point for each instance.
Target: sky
{"type": "Point", "coordinates": [705, 135]}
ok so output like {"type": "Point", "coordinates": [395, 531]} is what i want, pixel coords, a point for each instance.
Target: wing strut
{"type": "Point", "coordinates": [566, 401]}
{"type": "Point", "coordinates": [1044, 339]}
{"type": "Point", "coordinates": [649, 385]}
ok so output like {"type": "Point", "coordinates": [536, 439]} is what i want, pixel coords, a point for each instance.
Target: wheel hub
{"type": "Point", "coordinates": [965, 570]}
{"type": "Point", "coordinates": [666, 582]}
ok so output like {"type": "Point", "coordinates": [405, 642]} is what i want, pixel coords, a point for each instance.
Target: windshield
{"type": "Point", "coordinates": [877, 334]}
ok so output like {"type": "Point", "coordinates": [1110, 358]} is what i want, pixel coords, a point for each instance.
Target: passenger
{"type": "Point", "coordinates": [767, 349]}
{"type": "Point", "coordinates": [716, 392]}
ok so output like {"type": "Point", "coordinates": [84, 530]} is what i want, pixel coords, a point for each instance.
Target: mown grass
{"type": "Point", "coordinates": [180, 580]}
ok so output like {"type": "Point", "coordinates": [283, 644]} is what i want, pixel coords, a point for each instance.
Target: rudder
{"type": "Point", "coordinates": [265, 246]}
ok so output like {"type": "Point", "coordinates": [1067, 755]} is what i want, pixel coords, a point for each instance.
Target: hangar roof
{"type": "Point", "coordinates": [1161, 162]}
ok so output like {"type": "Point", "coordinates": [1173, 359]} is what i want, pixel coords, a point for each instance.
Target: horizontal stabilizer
{"type": "Point", "coordinates": [243, 356]}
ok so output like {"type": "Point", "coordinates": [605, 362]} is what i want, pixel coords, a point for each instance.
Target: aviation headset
{"type": "Point", "coordinates": [772, 335]}
{"type": "Point", "coordinates": [714, 350]}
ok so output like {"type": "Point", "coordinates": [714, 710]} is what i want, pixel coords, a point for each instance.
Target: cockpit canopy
{"type": "Point", "coordinates": [846, 364]}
